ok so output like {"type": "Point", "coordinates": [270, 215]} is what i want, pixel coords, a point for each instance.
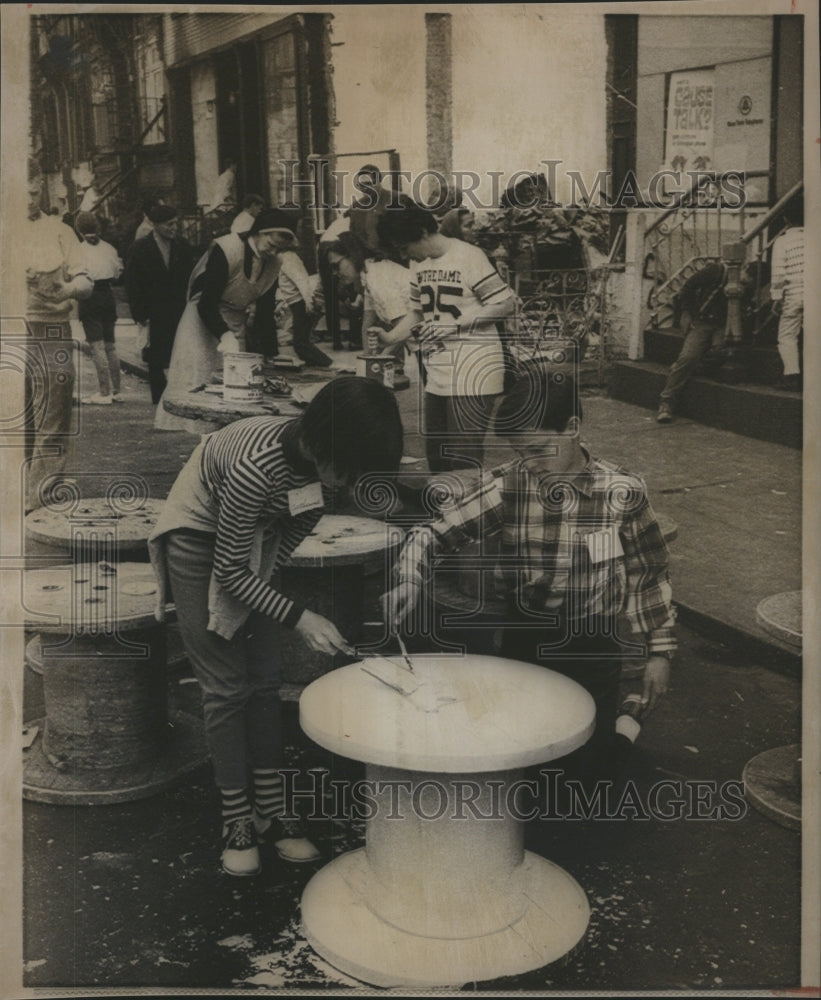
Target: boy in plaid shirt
{"type": "Point", "coordinates": [580, 545]}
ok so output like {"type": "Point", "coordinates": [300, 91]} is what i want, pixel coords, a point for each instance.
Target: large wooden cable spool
{"type": "Point", "coordinates": [107, 735]}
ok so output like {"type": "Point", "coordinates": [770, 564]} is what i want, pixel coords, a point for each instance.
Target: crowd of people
{"type": "Point", "coordinates": [586, 544]}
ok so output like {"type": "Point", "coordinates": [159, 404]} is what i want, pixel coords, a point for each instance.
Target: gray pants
{"type": "Point", "coordinates": [50, 429]}
{"type": "Point", "coordinates": [240, 678]}
{"type": "Point", "coordinates": [700, 337]}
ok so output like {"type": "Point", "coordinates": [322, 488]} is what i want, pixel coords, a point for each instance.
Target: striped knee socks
{"type": "Point", "coordinates": [269, 794]}
{"type": "Point", "coordinates": [235, 804]}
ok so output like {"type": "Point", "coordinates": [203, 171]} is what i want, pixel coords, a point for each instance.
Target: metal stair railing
{"type": "Point", "coordinates": [115, 182]}
{"type": "Point", "coordinates": [692, 230]}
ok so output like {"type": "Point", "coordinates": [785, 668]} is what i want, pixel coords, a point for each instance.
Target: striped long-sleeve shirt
{"type": "Point", "coordinates": [586, 543]}
{"type": "Point", "coordinates": [251, 475]}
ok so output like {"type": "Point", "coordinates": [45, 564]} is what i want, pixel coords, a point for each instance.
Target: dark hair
{"type": "Point", "coordinates": [353, 424]}
{"type": "Point", "coordinates": [370, 169]}
{"type": "Point", "coordinates": [252, 199]}
{"type": "Point", "coordinates": [794, 211]}
{"type": "Point", "coordinates": [350, 246]}
{"type": "Point", "coordinates": [87, 223]}
{"type": "Point", "coordinates": [406, 223]}
{"type": "Point", "coordinates": [513, 196]}
{"type": "Point", "coordinates": [538, 400]}
{"type": "Point", "coordinates": [451, 224]}
{"type": "Point", "coordinates": [274, 218]}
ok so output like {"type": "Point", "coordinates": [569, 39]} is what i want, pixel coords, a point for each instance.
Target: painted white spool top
{"type": "Point", "coordinates": [89, 597]}
{"type": "Point", "coordinates": [469, 714]}
{"type": "Point", "coordinates": [341, 538]}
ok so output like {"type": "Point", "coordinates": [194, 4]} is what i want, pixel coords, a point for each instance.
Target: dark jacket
{"type": "Point", "coordinates": [703, 295]}
{"type": "Point", "coordinates": [157, 294]}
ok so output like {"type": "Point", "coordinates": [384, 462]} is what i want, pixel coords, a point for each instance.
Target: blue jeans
{"type": "Point", "coordinates": [240, 678]}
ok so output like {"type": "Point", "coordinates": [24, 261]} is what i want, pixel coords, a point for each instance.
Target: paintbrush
{"type": "Point", "coordinates": [402, 646]}
{"type": "Point", "coordinates": [405, 656]}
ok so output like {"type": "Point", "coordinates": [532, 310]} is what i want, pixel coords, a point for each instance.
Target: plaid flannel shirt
{"type": "Point", "coordinates": [587, 542]}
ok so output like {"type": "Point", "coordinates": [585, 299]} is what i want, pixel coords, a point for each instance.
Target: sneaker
{"type": "Point", "coordinates": [98, 399]}
{"type": "Point", "coordinates": [240, 855]}
{"type": "Point", "coordinates": [117, 397]}
{"type": "Point", "coordinates": [665, 414]}
{"type": "Point", "coordinates": [288, 838]}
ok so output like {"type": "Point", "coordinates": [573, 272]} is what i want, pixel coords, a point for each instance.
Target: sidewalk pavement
{"type": "Point", "coordinates": [736, 502]}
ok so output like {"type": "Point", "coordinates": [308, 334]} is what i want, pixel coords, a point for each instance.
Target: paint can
{"type": "Point", "coordinates": [379, 367]}
{"type": "Point", "coordinates": [243, 380]}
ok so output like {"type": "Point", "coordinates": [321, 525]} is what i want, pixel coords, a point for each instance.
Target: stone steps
{"type": "Point", "coordinates": [757, 411]}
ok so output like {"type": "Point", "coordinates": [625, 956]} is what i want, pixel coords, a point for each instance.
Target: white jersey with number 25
{"type": "Point", "coordinates": [449, 290]}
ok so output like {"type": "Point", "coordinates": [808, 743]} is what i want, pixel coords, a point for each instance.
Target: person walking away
{"type": "Point", "coordinates": [55, 278]}
{"type": "Point", "coordinates": [156, 284]}
{"type": "Point", "coordinates": [98, 313]}
{"type": "Point", "coordinates": [787, 294]}
{"type": "Point", "coordinates": [246, 498]}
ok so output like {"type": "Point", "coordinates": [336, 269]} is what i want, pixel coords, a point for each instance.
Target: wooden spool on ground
{"type": "Point", "coordinates": [443, 895]}
{"type": "Point", "coordinates": [109, 528]}
{"type": "Point", "coordinates": [772, 779]}
{"type": "Point", "coordinates": [780, 616]}
{"type": "Point", "coordinates": [107, 735]}
{"type": "Point", "coordinates": [326, 573]}
{"type": "Point", "coordinates": [167, 644]}
{"type": "Point", "coordinates": [98, 528]}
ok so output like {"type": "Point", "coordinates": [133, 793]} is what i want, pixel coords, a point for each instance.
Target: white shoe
{"type": "Point", "coordinates": [117, 397]}
{"type": "Point", "coordinates": [240, 855]}
{"type": "Point", "coordinates": [291, 843]}
{"type": "Point", "coordinates": [98, 399]}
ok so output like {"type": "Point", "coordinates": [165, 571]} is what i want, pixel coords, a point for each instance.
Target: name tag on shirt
{"type": "Point", "coordinates": [305, 498]}
{"type": "Point", "coordinates": [604, 545]}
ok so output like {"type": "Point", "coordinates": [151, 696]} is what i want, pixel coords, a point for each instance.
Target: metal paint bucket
{"type": "Point", "coordinates": [243, 379]}
{"type": "Point", "coordinates": [379, 367]}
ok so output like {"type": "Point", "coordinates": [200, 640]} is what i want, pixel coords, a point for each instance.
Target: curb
{"type": "Point", "coordinates": [772, 654]}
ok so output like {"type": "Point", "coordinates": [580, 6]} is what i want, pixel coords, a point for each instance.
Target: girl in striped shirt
{"type": "Point", "coordinates": [243, 502]}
